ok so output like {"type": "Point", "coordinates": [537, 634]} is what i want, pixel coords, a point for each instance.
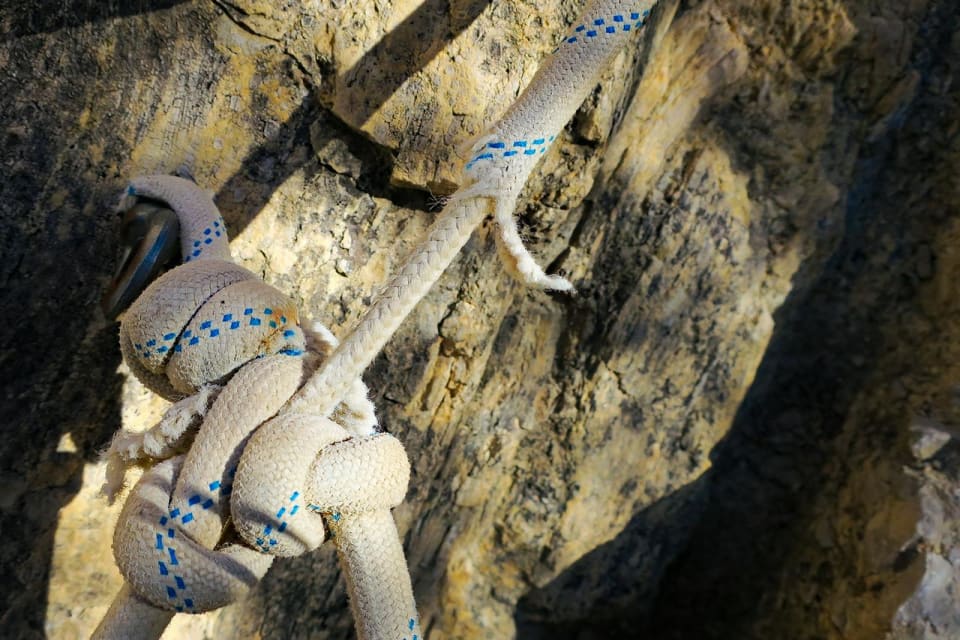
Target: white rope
{"type": "Point", "coordinates": [261, 391]}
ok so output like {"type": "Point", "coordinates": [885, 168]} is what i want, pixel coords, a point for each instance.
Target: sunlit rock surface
{"type": "Point", "coordinates": [744, 425]}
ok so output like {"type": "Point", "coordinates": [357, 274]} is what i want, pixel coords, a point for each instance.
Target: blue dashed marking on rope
{"type": "Point", "coordinates": [265, 540]}
{"type": "Point", "coordinates": [411, 623]}
{"type": "Point", "coordinates": [170, 559]}
{"type": "Point", "coordinates": [510, 149]}
{"type": "Point", "coordinates": [227, 322]}
{"type": "Point", "coordinates": [213, 230]}
{"type": "Point", "coordinates": [608, 29]}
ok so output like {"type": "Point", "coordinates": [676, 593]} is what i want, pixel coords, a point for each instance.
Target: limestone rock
{"type": "Point", "coordinates": [715, 438]}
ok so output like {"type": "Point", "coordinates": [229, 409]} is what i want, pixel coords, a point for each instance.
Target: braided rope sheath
{"type": "Point", "coordinates": [267, 452]}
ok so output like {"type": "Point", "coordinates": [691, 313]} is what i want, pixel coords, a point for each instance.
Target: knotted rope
{"type": "Point", "coordinates": [280, 422]}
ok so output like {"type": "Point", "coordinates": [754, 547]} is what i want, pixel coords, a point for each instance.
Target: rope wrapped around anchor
{"type": "Point", "coordinates": [279, 420]}
{"type": "Point", "coordinates": [200, 529]}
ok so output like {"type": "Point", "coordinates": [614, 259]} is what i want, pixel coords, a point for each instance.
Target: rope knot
{"type": "Point", "coordinates": [346, 476]}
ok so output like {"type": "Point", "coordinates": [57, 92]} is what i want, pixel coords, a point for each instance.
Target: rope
{"type": "Point", "coordinates": [273, 417]}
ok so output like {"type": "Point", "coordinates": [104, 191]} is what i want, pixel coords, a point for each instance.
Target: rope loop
{"type": "Point", "coordinates": [165, 565]}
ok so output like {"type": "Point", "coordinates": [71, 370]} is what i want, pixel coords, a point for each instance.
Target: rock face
{"type": "Point", "coordinates": [744, 425]}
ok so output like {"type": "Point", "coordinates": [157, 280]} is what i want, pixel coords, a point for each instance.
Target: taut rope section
{"type": "Point", "coordinates": [282, 428]}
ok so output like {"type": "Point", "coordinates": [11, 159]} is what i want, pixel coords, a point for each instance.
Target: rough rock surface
{"type": "Point", "coordinates": [744, 425]}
